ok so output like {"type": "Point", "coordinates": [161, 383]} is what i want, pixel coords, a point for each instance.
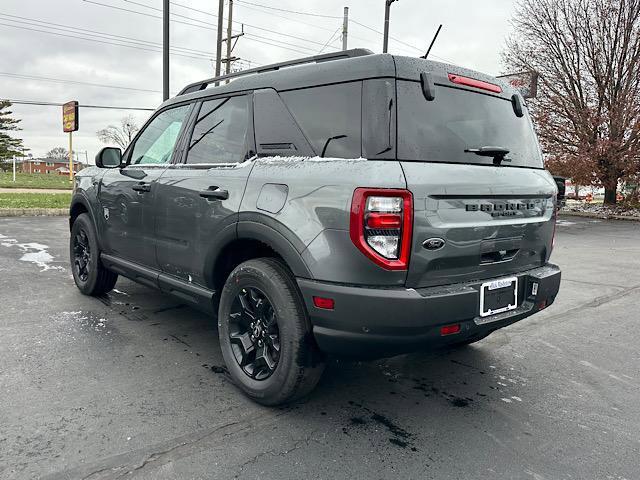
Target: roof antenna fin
{"type": "Point", "coordinates": [432, 42]}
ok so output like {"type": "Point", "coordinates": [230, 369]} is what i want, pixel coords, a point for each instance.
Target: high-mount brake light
{"type": "Point", "coordinates": [472, 82]}
{"type": "Point", "coordinates": [381, 225]}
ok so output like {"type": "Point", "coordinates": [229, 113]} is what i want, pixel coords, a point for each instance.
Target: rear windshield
{"type": "Point", "coordinates": [456, 120]}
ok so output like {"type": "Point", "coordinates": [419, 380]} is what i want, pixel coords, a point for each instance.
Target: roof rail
{"type": "Point", "coordinates": [327, 57]}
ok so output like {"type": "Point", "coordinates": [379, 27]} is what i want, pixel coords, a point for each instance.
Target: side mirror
{"type": "Point", "coordinates": [109, 157]}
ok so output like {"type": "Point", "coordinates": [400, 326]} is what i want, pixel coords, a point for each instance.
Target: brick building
{"type": "Point", "coordinates": [51, 166]}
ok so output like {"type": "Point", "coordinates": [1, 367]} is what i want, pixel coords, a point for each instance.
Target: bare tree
{"type": "Point", "coordinates": [120, 135]}
{"type": "Point", "coordinates": [587, 114]}
{"type": "Point", "coordinates": [59, 153]}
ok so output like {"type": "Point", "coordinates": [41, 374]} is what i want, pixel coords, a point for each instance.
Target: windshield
{"type": "Point", "coordinates": [458, 120]}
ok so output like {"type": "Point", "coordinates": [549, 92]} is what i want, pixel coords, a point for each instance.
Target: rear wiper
{"type": "Point", "coordinates": [498, 153]}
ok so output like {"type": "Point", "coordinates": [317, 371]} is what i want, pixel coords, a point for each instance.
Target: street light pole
{"type": "Point", "coordinates": [165, 51]}
{"type": "Point", "coordinates": [387, 8]}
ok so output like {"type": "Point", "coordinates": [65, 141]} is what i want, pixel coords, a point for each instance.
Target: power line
{"type": "Point", "coordinates": [249, 36]}
{"type": "Point", "coordinates": [73, 82]}
{"type": "Point", "coordinates": [111, 36]}
{"type": "Point", "coordinates": [285, 18]}
{"type": "Point", "coordinates": [57, 104]}
{"type": "Point", "coordinates": [291, 11]}
{"type": "Point", "coordinates": [151, 49]}
{"type": "Point", "coordinates": [332, 37]}
{"type": "Point", "coordinates": [262, 39]}
{"type": "Point", "coordinates": [215, 16]}
{"type": "Point", "coordinates": [397, 40]}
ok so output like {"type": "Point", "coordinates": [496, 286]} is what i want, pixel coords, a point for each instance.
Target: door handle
{"type": "Point", "coordinates": [142, 187]}
{"type": "Point", "coordinates": [214, 193]}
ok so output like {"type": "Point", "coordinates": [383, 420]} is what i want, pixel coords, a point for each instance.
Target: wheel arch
{"type": "Point", "coordinates": [79, 205]}
{"type": "Point", "coordinates": [253, 240]}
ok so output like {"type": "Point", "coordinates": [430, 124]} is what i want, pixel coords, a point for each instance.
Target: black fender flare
{"type": "Point", "coordinates": [265, 230]}
{"type": "Point", "coordinates": [282, 244]}
{"type": "Point", "coordinates": [79, 198]}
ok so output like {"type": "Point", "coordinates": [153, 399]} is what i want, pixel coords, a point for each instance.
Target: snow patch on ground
{"type": "Point", "coordinates": [33, 253]}
{"type": "Point", "coordinates": [601, 210]}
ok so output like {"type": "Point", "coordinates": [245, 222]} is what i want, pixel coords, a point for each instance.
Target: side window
{"type": "Point", "coordinates": [220, 132]}
{"type": "Point", "coordinates": [330, 117]}
{"type": "Point", "coordinates": [156, 142]}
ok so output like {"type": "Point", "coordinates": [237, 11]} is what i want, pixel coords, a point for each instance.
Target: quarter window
{"type": "Point", "coordinates": [220, 133]}
{"type": "Point", "coordinates": [156, 143]}
{"type": "Point", "coordinates": [330, 117]}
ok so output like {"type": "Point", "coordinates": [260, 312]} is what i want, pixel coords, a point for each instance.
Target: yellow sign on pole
{"type": "Point", "coordinates": [70, 123]}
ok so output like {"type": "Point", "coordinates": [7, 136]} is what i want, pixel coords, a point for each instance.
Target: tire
{"type": "Point", "coordinates": [91, 277]}
{"type": "Point", "coordinates": [284, 374]}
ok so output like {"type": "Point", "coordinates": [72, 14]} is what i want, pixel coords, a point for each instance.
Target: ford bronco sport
{"type": "Point", "coordinates": [352, 204]}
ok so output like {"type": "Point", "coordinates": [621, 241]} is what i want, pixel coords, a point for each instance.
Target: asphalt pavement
{"type": "Point", "coordinates": [133, 384]}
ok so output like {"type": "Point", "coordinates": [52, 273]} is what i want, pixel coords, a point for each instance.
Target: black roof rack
{"type": "Point", "coordinates": [327, 57]}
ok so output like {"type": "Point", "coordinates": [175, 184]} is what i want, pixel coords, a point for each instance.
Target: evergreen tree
{"type": "Point", "coordinates": [9, 146]}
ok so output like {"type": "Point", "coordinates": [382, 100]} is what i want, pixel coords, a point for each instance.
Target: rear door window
{"type": "Point", "coordinates": [330, 117]}
{"type": "Point", "coordinates": [220, 132]}
{"type": "Point", "coordinates": [457, 120]}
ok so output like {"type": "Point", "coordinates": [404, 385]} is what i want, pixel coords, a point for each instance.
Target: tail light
{"type": "Point", "coordinates": [381, 222]}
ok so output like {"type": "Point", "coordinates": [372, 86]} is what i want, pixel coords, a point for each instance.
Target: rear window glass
{"type": "Point", "coordinates": [327, 112]}
{"type": "Point", "coordinates": [456, 120]}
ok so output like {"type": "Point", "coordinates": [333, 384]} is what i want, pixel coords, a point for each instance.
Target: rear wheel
{"type": "Point", "coordinates": [88, 272]}
{"type": "Point", "coordinates": [265, 335]}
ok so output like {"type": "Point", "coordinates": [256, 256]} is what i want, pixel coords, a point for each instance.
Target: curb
{"type": "Point", "coordinates": [599, 216]}
{"type": "Point", "coordinates": [33, 212]}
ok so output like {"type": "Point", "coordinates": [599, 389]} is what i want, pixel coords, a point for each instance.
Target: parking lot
{"type": "Point", "coordinates": [133, 385]}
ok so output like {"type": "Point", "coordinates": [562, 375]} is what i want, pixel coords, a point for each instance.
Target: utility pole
{"type": "Point", "coordinates": [230, 36]}
{"type": "Point", "coordinates": [387, 8]}
{"type": "Point", "coordinates": [165, 51]}
{"type": "Point", "coordinates": [219, 39]}
{"type": "Point", "coordinates": [229, 25]}
{"type": "Point", "coordinates": [345, 28]}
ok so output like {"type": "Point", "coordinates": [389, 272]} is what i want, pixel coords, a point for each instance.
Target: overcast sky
{"type": "Point", "coordinates": [473, 36]}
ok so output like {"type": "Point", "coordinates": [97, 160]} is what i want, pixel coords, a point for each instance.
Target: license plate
{"type": "Point", "coordinates": [498, 296]}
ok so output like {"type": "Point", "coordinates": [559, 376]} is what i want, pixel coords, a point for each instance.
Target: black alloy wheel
{"type": "Point", "coordinates": [254, 333]}
{"type": "Point", "coordinates": [82, 255]}
{"type": "Point", "coordinates": [89, 274]}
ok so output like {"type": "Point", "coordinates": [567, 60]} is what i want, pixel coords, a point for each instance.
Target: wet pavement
{"type": "Point", "coordinates": [133, 384]}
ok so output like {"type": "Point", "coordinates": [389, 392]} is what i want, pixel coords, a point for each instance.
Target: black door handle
{"type": "Point", "coordinates": [214, 193]}
{"type": "Point", "coordinates": [142, 187]}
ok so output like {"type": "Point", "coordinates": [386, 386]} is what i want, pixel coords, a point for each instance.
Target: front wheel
{"type": "Point", "coordinates": [88, 272]}
{"type": "Point", "coordinates": [265, 334]}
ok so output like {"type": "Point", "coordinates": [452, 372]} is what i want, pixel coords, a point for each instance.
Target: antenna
{"type": "Point", "coordinates": [432, 42]}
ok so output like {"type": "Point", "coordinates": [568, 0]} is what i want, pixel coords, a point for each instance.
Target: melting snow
{"type": "Point", "coordinates": [32, 252]}
{"type": "Point", "coordinates": [278, 159]}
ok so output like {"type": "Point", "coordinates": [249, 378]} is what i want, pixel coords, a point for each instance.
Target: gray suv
{"type": "Point", "coordinates": [347, 204]}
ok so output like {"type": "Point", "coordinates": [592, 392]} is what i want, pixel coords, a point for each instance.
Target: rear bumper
{"type": "Point", "coordinates": [378, 322]}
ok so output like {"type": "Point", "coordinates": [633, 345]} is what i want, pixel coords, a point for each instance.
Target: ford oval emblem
{"type": "Point", "coordinates": [433, 243]}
